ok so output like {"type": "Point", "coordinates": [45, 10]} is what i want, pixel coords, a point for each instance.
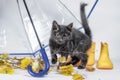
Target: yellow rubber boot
{"type": "Point", "coordinates": [91, 55]}
{"type": "Point", "coordinates": [104, 61]}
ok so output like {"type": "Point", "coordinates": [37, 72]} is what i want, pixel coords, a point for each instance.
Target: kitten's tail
{"type": "Point", "coordinates": [84, 19]}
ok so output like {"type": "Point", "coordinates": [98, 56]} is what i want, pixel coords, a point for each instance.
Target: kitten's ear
{"type": "Point", "coordinates": [55, 26]}
{"type": "Point", "coordinates": [69, 27]}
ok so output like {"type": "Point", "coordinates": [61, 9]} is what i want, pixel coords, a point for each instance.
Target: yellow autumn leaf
{"type": "Point", "coordinates": [4, 56]}
{"type": "Point", "coordinates": [6, 70]}
{"type": "Point", "coordinates": [1, 62]}
{"type": "Point", "coordinates": [10, 70]}
{"type": "Point", "coordinates": [2, 70]}
{"type": "Point", "coordinates": [25, 62]}
{"type": "Point", "coordinates": [62, 59]}
{"type": "Point", "coordinates": [77, 77]}
{"type": "Point", "coordinates": [66, 70]}
{"type": "Point", "coordinates": [37, 65]}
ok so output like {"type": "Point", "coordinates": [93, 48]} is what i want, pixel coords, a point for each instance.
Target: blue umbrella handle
{"type": "Point", "coordinates": [46, 62]}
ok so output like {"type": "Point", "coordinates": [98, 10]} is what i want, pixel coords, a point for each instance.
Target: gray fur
{"type": "Point", "coordinates": [66, 40]}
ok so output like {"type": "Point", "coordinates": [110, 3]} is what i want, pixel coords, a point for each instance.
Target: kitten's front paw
{"type": "Point", "coordinates": [54, 61]}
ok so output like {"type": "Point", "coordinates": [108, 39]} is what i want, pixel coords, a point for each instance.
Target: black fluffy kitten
{"type": "Point", "coordinates": [67, 40]}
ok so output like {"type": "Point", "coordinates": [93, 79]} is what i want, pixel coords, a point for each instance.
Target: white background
{"type": "Point", "coordinates": [104, 23]}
